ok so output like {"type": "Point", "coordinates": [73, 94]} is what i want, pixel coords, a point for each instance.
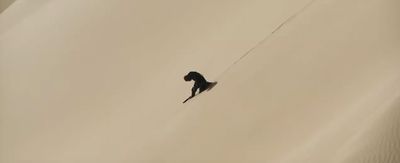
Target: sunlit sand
{"type": "Point", "coordinates": [101, 81]}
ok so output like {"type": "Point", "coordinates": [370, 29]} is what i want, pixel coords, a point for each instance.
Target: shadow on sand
{"type": "Point", "coordinates": [212, 85]}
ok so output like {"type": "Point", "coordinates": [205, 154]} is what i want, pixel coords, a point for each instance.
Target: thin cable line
{"type": "Point", "coordinates": [267, 37]}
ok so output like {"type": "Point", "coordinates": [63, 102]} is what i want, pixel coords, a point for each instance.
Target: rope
{"type": "Point", "coordinates": [266, 38]}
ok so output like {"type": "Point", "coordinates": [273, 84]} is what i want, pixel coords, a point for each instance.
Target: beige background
{"type": "Point", "coordinates": [101, 81]}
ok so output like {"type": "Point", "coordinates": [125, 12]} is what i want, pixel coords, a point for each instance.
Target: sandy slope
{"type": "Point", "coordinates": [4, 4]}
{"type": "Point", "coordinates": [101, 81]}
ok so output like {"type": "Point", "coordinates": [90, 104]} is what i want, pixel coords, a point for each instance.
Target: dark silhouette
{"type": "Point", "coordinates": [199, 83]}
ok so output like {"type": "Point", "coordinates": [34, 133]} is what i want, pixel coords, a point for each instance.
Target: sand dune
{"type": "Point", "coordinates": [299, 81]}
{"type": "Point", "coordinates": [4, 4]}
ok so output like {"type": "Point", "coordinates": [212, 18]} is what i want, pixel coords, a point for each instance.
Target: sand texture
{"type": "Point", "coordinates": [101, 81]}
{"type": "Point", "coordinates": [4, 4]}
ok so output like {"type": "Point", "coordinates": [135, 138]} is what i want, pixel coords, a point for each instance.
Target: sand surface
{"type": "Point", "coordinates": [101, 81]}
{"type": "Point", "coordinates": [4, 4]}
